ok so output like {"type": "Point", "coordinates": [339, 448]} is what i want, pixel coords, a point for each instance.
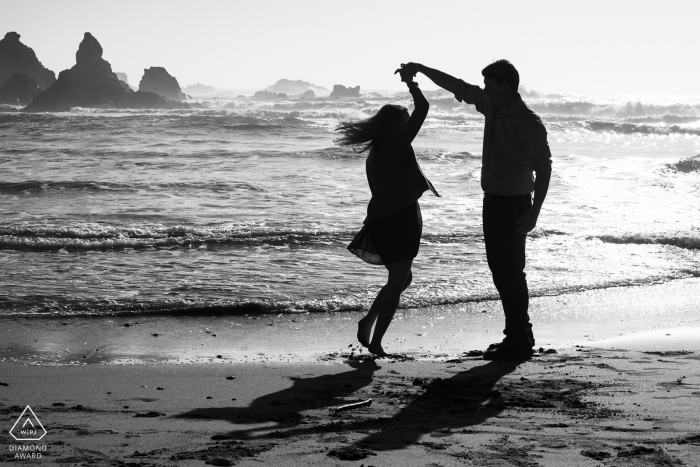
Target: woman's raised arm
{"type": "Point", "coordinates": [410, 129]}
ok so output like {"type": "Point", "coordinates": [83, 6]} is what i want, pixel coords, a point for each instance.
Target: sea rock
{"type": "Point", "coordinates": [290, 87]}
{"type": "Point", "coordinates": [308, 94]}
{"type": "Point", "coordinates": [269, 95]}
{"type": "Point", "coordinates": [199, 89]}
{"type": "Point", "coordinates": [16, 57]}
{"type": "Point", "coordinates": [91, 83]}
{"type": "Point", "coordinates": [341, 91]}
{"type": "Point", "coordinates": [157, 79]}
{"type": "Point", "coordinates": [20, 89]}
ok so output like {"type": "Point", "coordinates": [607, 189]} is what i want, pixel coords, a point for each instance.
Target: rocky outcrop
{"type": "Point", "coordinates": [157, 79]}
{"type": "Point", "coordinates": [20, 89]}
{"type": "Point", "coordinates": [341, 91]}
{"type": "Point", "coordinates": [308, 94]}
{"type": "Point", "coordinates": [16, 57]}
{"type": "Point", "coordinates": [269, 95]}
{"type": "Point", "coordinates": [91, 83]}
{"type": "Point", "coordinates": [201, 89]}
{"type": "Point", "coordinates": [290, 87]}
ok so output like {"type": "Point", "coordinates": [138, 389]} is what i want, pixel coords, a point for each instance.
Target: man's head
{"type": "Point", "coordinates": [501, 81]}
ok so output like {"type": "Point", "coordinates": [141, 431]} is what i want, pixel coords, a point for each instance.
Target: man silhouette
{"type": "Point", "coordinates": [515, 148]}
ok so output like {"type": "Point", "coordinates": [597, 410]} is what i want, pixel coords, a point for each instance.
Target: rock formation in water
{"type": "Point", "coordinates": [290, 87]}
{"type": "Point", "coordinates": [91, 83]}
{"type": "Point", "coordinates": [157, 79]}
{"type": "Point", "coordinates": [308, 94]}
{"type": "Point", "coordinates": [269, 95]}
{"type": "Point", "coordinates": [16, 57]}
{"type": "Point", "coordinates": [341, 91]}
{"type": "Point", "coordinates": [199, 89]}
{"type": "Point", "coordinates": [19, 89]}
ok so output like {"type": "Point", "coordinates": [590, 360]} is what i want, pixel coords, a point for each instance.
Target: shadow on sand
{"type": "Point", "coordinates": [466, 399]}
{"type": "Point", "coordinates": [283, 408]}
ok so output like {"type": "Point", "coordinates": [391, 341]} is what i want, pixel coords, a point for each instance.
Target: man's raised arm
{"type": "Point", "coordinates": [445, 81]}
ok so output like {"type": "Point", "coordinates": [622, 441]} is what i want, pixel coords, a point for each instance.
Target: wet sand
{"type": "Point", "coordinates": [590, 396]}
{"type": "Point", "coordinates": [583, 406]}
{"type": "Point", "coordinates": [447, 331]}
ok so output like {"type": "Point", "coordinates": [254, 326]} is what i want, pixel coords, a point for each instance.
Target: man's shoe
{"type": "Point", "coordinates": [530, 335]}
{"type": "Point", "coordinates": [511, 349]}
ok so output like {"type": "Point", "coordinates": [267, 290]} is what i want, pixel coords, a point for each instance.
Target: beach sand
{"type": "Point", "coordinates": [590, 397]}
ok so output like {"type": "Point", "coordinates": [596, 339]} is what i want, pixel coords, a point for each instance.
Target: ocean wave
{"type": "Point", "coordinates": [668, 118]}
{"type": "Point", "coordinates": [434, 155]}
{"type": "Point", "coordinates": [41, 238]}
{"type": "Point", "coordinates": [685, 165]}
{"type": "Point", "coordinates": [669, 111]}
{"type": "Point", "coordinates": [253, 127]}
{"type": "Point", "coordinates": [192, 120]}
{"type": "Point", "coordinates": [9, 188]}
{"type": "Point", "coordinates": [51, 187]}
{"type": "Point", "coordinates": [421, 296]}
{"type": "Point", "coordinates": [539, 232]}
{"type": "Point", "coordinates": [634, 128]}
{"type": "Point", "coordinates": [629, 109]}
{"type": "Point", "coordinates": [109, 238]}
{"type": "Point", "coordinates": [687, 241]}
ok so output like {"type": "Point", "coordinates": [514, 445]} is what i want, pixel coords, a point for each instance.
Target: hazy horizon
{"type": "Point", "coordinates": [598, 47]}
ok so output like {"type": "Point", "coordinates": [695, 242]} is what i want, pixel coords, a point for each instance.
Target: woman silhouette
{"type": "Point", "coordinates": [393, 226]}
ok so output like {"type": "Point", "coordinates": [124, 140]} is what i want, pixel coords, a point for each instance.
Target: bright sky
{"type": "Point", "coordinates": [587, 46]}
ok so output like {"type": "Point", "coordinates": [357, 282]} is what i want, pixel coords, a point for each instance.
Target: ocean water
{"type": "Point", "coordinates": [246, 206]}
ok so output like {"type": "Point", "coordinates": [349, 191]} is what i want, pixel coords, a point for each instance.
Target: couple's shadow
{"type": "Point", "coordinates": [466, 399]}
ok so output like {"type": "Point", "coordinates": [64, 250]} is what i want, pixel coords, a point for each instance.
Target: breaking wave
{"type": "Point", "coordinates": [421, 296]}
{"type": "Point", "coordinates": [628, 110]}
{"type": "Point", "coordinates": [689, 242]}
{"type": "Point", "coordinates": [109, 238]}
{"type": "Point", "coordinates": [685, 165]}
{"type": "Point", "coordinates": [630, 128]}
{"type": "Point", "coordinates": [9, 188]}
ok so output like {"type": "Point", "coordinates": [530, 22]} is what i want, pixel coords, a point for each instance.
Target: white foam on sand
{"type": "Point", "coordinates": [671, 339]}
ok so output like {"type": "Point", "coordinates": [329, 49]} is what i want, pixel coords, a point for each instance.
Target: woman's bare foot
{"type": "Point", "coordinates": [378, 351]}
{"type": "Point", "coordinates": [364, 330]}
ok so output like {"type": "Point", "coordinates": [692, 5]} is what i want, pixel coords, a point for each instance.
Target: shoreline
{"type": "Point", "coordinates": [582, 318]}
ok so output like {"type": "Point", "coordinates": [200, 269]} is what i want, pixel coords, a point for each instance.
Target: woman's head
{"type": "Point", "coordinates": [365, 133]}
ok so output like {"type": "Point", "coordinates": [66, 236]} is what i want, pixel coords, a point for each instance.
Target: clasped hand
{"type": "Point", "coordinates": [406, 72]}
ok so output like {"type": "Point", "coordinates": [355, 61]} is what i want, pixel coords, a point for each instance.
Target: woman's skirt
{"type": "Point", "coordinates": [390, 239]}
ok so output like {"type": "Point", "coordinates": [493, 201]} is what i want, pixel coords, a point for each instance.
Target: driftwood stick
{"type": "Point", "coordinates": [354, 405]}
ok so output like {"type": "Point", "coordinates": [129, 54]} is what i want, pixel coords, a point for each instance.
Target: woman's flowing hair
{"type": "Point", "coordinates": [363, 134]}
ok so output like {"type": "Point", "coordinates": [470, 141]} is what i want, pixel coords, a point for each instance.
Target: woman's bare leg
{"type": "Point", "coordinates": [364, 326]}
{"type": "Point", "coordinates": [399, 273]}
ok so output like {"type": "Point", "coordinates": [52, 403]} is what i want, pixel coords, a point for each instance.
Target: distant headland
{"type": "Point", "coordinates": [89, 83]}
{"type": "Point", "coordinates": [24, 81]}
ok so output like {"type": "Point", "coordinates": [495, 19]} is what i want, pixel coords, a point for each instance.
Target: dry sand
{"type": "Point", "coordinates": [580, 407]}
{"type": "Point", "coordinates": [623, 400]}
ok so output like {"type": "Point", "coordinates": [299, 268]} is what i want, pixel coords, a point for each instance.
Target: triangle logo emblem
{"type": "Point", "coordinates": [28, 427]}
